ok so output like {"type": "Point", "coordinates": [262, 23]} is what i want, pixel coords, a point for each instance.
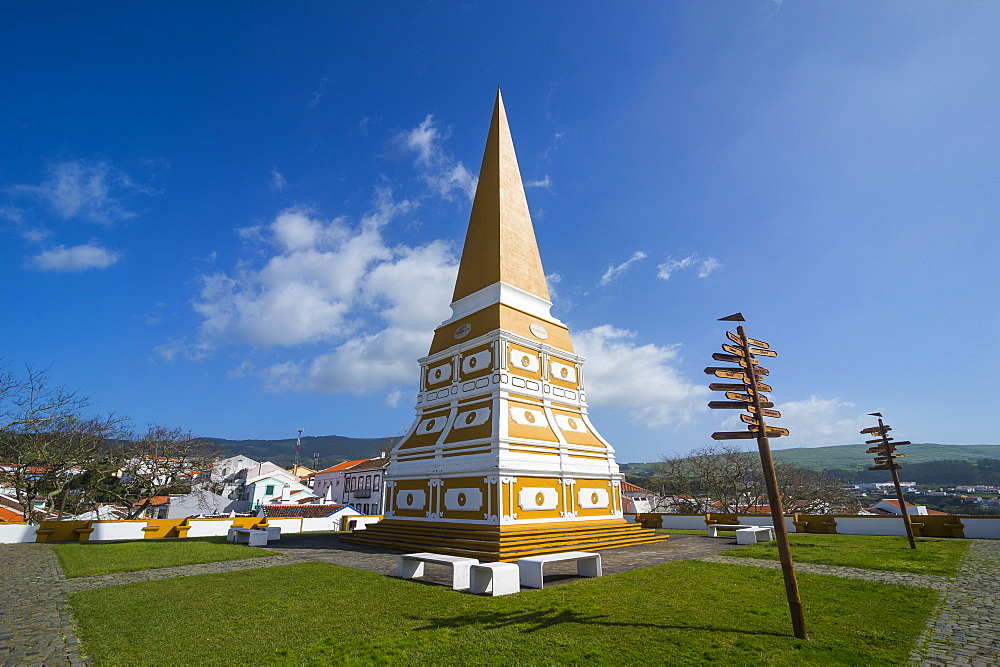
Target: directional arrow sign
{"type": "Point", "coordinates": [728, 405]}
{"type": "Point", "coordinates": [753, 362]}
{"type": "Point", "coordinates": [763, 353]}
{"type": "Point", "coordinates": [878, 440]}
{"type": "Point", "coordinates": [763, 387]}
{"type": "Point", "coordinates": [901, 442]}
{"type": "Point", "coordinates": [753, 341]}
{"type": "Point", "coordinates": [760, 370]}
{"type": "Point", "coordinates": [718, 386]}
{"type": "Point", "coordinates": [774, 431]}
{"type": "Point", "coordinates": [875, 450]}
{"type": "Point", "coordinates": [765, 412]}
{"type": "Point", "coordinates": [731, 358]}
{"type": "Point", "coordinates": [733, 349]}
{"type": "Point", "coordinates": [733, 435]}
{"type": "Point", "coordinates": [731, 373]}
{"type": "Point", "coordinates": [734, 396]}
{"type": "Point", "coordinates": [747, 435]}
{"type": "Point", "coordinates": [876, 429]}
{"type": "Point", "coordinates": [747, 419]}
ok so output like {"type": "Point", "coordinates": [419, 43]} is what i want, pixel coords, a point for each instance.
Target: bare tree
{"type": "Point", "coordinates": [153, 463]}
{"type": "Point", "coordinates": [724, 478]}
{"type": "Point", "coordinates": [45, 440]}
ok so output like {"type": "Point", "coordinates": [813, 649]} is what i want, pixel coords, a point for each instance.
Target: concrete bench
{"type": "Point", "coordinates": [587, 565]}
{"type": "Point", "coordinates": [755, 535]}
{"type": "Point", "coordinates": [495, 578]}
{"type": "Point", "coordinates": [713, 530]}
{"type": "Point", "coordinates": [251, 536]}
{"type": "Point", "coordinates": [411, 566]}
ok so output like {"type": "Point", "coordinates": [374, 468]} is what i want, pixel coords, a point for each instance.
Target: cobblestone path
{"type": "Point", "coordinates": [37, 628]}
{"type": "Point", "coordinates": [964, 628]}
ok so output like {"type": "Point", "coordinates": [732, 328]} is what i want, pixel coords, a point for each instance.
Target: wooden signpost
{"type": "Point", "coordinates": [885, 455]}
{"type": "Point", "coordinates": [756, 403]}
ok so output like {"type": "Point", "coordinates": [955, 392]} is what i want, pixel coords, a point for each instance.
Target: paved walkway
{"type": "Point", "coordinates": [36, 626]}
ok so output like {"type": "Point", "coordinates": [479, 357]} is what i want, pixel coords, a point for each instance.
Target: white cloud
{"type": "Point", "coordinates": [89, 191]}
{"type": "Point", "coordinates": [75, 258]}
{"type": "Point", "coordinates": [614, 271]}
{"type": "Point", "coordinates": [639, 378]}
{"type": "Point", "coordinates": [704, 266]}
{"type": "Point", "coordinates": [278, 181]}
{"type": "Point", "coordinates": [339, 285]}
{"type": "Point", "coordinates": [813, 422]}
{"type": "Point", "coordinates": [36, 234]}
{"type": "Point", "coordinates": [442, 172]}
{"type": "Point", "coordinates": [544, 183]}
{"type": "Point", "coordinates": [551, 280]}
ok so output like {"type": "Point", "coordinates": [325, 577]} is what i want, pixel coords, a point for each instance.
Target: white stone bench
{"type": "Point", "coordinates": [495, 578]}
{"type": "Point", "coordinates": [411, 566]}
{"type": "Point", "coordinates": [251, 536]}
{"type": "Point", "coordinates": [587, 565]}
{"type": "Point", "coordinates": [754, 535]}
{"type": "Point", "coordinates": [713, 530]}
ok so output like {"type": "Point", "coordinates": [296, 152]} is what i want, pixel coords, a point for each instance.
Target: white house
{"type": "Point", "coordinates": [363, 488]}
{"type": "Point", "coordinates": [329, 483]}
{"type": "Point", "coordinates": [268, 483]}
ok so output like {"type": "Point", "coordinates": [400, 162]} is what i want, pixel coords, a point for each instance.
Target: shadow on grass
{"type": "Point", "coordinates": [546, 618]}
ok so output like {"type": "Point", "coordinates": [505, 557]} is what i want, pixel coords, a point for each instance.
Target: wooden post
{"type": "Point", "coordinates": [774, 500]}
{"type": "Point", "coordinates": [899, 490]}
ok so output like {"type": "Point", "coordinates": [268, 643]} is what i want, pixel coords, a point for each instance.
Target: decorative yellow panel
{"type": "Point", "coordinates": [468, 498]}
{"type": "Point", "coordinates": [537, 498]}
{"type": "Point", "coordinates": [428, 430]}
{"type": "Point", "coordinates": [476, 362]}
{"type": "Point", "coordinates": [524, 362]}
{"type": "Point", "coordinates": [527, 420]}
{"type": "Point", "coordinates": [474, 421]}
{"type": "Point", "coordinates": [563, 373]}
{"type": "Point", "coordinates": [574, 429]}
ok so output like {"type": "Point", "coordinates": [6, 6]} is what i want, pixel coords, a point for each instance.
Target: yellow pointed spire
{"type": "Point", "coordinates": [500, 243]}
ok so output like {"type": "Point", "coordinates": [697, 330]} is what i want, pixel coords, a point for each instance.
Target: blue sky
{"type": "Point", "coordinates": [244, 218]}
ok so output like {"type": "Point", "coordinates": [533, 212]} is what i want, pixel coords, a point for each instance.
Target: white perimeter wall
{"type": "Point", "coordinates": [117, 530]}
{"type": "Point", "coordinates": [15, 533]}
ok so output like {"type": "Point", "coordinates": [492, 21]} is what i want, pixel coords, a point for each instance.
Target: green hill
{"type": "Point", "coordinates": [332, 449]}
{"type": "Point", "coordinates": [855, 456]}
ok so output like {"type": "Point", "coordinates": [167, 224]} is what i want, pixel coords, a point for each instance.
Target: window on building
{"type": "Point", "coordinates": [368, 481]}
{"type": "Point", "coordinates": [269, 490]}
{"type": "Point", "coordinates": [375, 482]}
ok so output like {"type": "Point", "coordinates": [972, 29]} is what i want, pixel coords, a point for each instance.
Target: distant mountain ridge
{"type": "Point", "coordinates": [332, 449]}
{"type": "Point", "coordinates": [855, 457]}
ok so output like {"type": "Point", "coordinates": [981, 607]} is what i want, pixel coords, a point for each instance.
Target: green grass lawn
{"type": "Point", "coordinates": [940, 557]}
{"type": "Point", "coordinates": [684, 612]}
{"type": "Point", "coordinates": [81, 559]}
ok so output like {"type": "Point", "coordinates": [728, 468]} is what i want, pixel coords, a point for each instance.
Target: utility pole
{"type": "Point", "coordinates": [298, 448]}
{"type": "Point", "coordinates": [753, 401]}
{"type": "Point", "coordinates": [885, 459]}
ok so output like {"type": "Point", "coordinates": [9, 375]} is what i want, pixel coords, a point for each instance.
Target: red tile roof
{"type": "Point", "coordinates": [626, 486]}
{"type": "Point", "coordinates": [157, 500]}
{"type": "Point", "coordinates": [342, 466]}
{"type": "Point", "coordinates": [10, 515]}
{"type": "Point", "coordinates": [303, 511]}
